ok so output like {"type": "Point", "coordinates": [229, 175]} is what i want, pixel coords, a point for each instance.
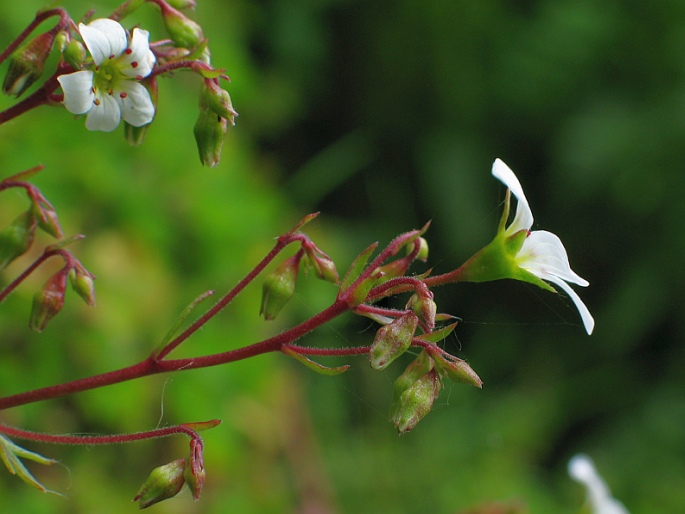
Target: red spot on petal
{"type": "Point", "coordinates": [96, 101]}
{"type": "Point", "coordinates": [111, 56]}
{"type": "Point", "coordinates": [134, 64]}
{"type": "Point", "coordinates": [122, 95]}
{"type": "Point", "coordinates": [139, 77]}
{"type": "Point", "coordinates": [128, 51]}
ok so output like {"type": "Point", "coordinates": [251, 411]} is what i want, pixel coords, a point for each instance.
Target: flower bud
{"type": "Point", "coordinates": [209, 131]}
{"type": "Point", "coordinates": [26, 64]}
{"type": "Point", "coordinates": [415, 402]}
{"type": "Point", "coordinates": [46, 218]}
{"type": "Point", "coordinates": [455, 369]}
{"type": "Point", "coordinates": [195, 473]}
{"type": "Point", "coordinates": [279, 287]}
{"type": "Point", "coordinates": [17, 238]}
{"type": "Point", "coordinates": [425, 308]}
{"type": "Point", "coordinates": [392, 340]}
{"type": "Point", "coordinates": [48, 301]}
{"type": "Point", "coordinates": [82, 283]}
{"type": "Point", "coordinates": [75, 54]}
{"type": "Point", "coordinates": [323, 265]}
{"type": "Point", "coordinates": [416, 369]}
{"type": "Point", "coordinates": [183, 31]}
{"type": "Point", "coordinates": [162, 483]}
{"type": "Point", "coordinates": [423, 250]}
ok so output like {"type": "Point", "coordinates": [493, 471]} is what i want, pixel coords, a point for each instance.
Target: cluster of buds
{"type": "Point", "coordinates": [49, 300]}
{"type": "Point", "coordinates": [166, 481]}
{"type": "Point", "coordinates": [416, 389]}
{"type": "Point", "coordinates": [279, 286]}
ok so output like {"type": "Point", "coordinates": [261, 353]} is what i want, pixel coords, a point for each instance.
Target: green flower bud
{"type": "Point", "coordinates": [323, 265]}
{"type": "Point", "coordinates": [279, 287]}
{"type": "Point", "coordinates": [423, 250]}
{"type": "Point", "coordinates": [75, 54]}
{"type": "Point", "coordinates": [48, 301]}
{"type": "Point", "coordinates": [26, 64]}
{"type": "Point", "coordinates": [183, 31]}
{"type": "Point", "coordinates": [392, 340]}
{"type": "Point", "coordinates": [17, 238]}
{"type": "Point", "coordinates": [164, 482]}
{"type": "Point", "coordinates": [82, 282]}
{"type": "Point", "coordinates": [46, 218]}
{"type": "Point", "coordinates": [415, 402]}
{"type": "Point", "coordinates": [416, 369]}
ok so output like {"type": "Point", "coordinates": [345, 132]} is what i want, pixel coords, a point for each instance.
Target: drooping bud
{"type": "Point", "coordinates": [209, 131]}
{"type": "Point", "coordinates": [279, 287]}
{"type": "Point", "coordinates": [392, 340]}
{"type": "Point", "coordinates": [82, 283]}
{"type": "Point", "coordinates": [455, 369]}
{"type": "Point", "coordinates": [323, 265]}
{"type": "Point", "coordinates": [163, 482]}
{"type": "Point", "coordinates": [47, 219]}
{"type": "Point", "coordinates": [416, 401]}
{"type": "Point", "coordinates": [195, 473]}
{"type": "Point", "coordinates": [183, 31]}
{"type": "Point", "coordinates": [425, 308]}
{"type": "Point", "coordinates": [27, 63]}
{"type": "Point", "coordinates": [17, 238]}
{"type": "Point", "coordinates": [49, 300]}
{"type": "Point", "coordinates": [415, 370]}
{"type": "Point", "coordinates": [423, 250]}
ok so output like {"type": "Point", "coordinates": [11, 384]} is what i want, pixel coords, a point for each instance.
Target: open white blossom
{"type": "Point", "coordinates": [581, 469]}
{"type": "Point", "coordinates": [112, 89]}
{"type": "Point", "coordinates": [542, 253]}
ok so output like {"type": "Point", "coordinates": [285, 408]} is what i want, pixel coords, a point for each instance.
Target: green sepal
{"type": "Point", "coordinates": [438, 335]}
{"type": "Point", "coordinates": [10, 454]}
{"type": "Point", "coordinates": [314, 366]}
{"type": "Point", "coordinates": [64, 243]}
{"type": "Point", "coordinates": [357, 267]}
{"type": "Point", "coordinates": [200, 426]}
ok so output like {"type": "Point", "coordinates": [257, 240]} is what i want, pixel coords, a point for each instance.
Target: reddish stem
{"type": "Point", "coordinates": [40, 17]}
{"type": "Point", "coordinates": [98, 439]}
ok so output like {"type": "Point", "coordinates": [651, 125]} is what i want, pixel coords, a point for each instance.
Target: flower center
{"type": "Point", "coordinates": [107, 76]}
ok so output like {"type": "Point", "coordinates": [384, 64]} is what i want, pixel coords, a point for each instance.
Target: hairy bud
{"type": "Point", "coordinates": [392, 340]}
{"type": "Point", "coordinates": [48, 302]}
{"type": "Point", "coordinates": [163, 482]}
{"type": "Point", "coordinates": [26, 64]}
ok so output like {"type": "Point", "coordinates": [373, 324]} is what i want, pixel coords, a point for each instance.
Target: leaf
{"type": "Point", "coordinates": [315, 366]}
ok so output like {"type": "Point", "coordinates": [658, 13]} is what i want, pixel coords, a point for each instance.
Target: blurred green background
{"type": "Point", "coordinates": [382, 115]}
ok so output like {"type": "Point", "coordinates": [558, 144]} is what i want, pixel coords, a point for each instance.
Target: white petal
{"type": "Point", "coordinates": [105, 116]}
{"type": "Point", "coordinates": [78, 91]}
{"type": "Point", "coordinates": [140, 54]}
{"type": "Point", "coordinates": [524, 217]}
{"type": "Point", "coordinates": [104, 38]}
{"type": "Point", "coordinates": [544, 253]}
{"type": "Point", "coordinates": [136, 106]}
{"type": "Point", "coordinates": [588, 320]}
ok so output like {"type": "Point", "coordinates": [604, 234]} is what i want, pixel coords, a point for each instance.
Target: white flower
{"type": "Point", "coordinates": [112, 90]}
{"type": "Point", "coordinates": [542, 253]}
{"type": "Point", "coordinates": [581, 469]}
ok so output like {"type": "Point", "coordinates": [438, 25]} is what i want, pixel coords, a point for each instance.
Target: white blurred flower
{"type": "Point", "coordinates": [542, 253]}
{"type": "Point", "coordinates": [582, 469]}
{"type": "Point", "coordinates": [112, 90]}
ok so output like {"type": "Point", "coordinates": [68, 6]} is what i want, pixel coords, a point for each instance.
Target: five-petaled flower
{"type": "Point", "coordinates": [112, 89]}
{"type": "Point", "coordinates": [519, 253]}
